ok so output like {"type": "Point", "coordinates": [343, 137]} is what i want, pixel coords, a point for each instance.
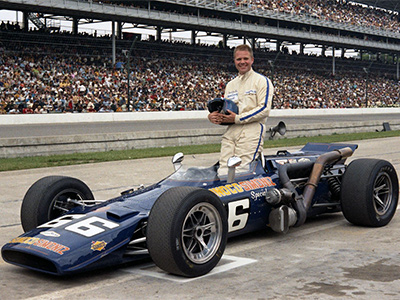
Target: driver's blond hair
{"type": "Point", "coordinates": [243, 47]}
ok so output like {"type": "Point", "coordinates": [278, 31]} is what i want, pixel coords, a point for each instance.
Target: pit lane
{"type": "Point", "coordinates": [325, 258]}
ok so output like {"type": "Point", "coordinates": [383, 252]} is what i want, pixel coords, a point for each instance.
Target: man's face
{"type": "Point", "coordinates": [243, 61]}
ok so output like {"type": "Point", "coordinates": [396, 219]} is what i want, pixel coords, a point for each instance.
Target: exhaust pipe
{"type": "Point", "coordinates": [317, 170]}
{"type": "Point", "coordinates": [314, 178]}
{"type": "Point", "coordinates": [302, 202]}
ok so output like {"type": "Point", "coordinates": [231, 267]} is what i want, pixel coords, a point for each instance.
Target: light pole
{"type": "Point", "coordinates": [366, 70]}
{"type": "Point", "coordinates": [128, 68]}
{"type": "Point", "coordinates": [272, 64]}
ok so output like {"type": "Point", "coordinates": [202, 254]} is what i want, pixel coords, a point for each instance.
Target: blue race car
{"type": "Point", "coordinates": [183, 222]}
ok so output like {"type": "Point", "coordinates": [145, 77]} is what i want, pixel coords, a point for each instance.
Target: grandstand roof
{"type": "Point", "coordinates": [387, 4]}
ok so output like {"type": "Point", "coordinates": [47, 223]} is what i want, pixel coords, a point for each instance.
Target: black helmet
{"type": "Point", "coordinates": [229, 104]}
{"type": "Point", "coordinates": [222, 105]}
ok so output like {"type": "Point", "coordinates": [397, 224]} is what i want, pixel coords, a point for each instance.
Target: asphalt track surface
{"type": "Point", "coordinates": [326, 258]}
{"type": "Point", "coordinates": [36, 130]}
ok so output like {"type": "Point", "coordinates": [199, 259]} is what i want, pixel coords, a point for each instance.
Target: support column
{"type": "Point", "coordinates": [225, 40]}
{"type": "Point", "coordinates": [301, 48]}
{"type": "Point", "coordinates": [343, 52]}
{"type": "Point", "coordinates": [75, 25]}
{"type": "Point", "coordinates": [159, 30]}
{"type": "Point", "coordinates": [323, 51]}
{"type": "Point", "coordinates": [119, 30]}
{"type": "Point", "coordinates": [278, 46]}
{"type": "Point", "coordinates": [193, 37]}
{"type": "Point", "coordinates": [25, 21]}
{"type": "Point", "coordinates": [113, 42]}
{"type": "Point", "coordinates": [333, 62]}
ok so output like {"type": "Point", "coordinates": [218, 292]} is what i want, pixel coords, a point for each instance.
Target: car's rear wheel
{"type": "Point", "coordinates": [50, 197]}
{"type": "Point", "coordinates": [369, 192]}
{"type": "Point", "coordinates": [187, 231]}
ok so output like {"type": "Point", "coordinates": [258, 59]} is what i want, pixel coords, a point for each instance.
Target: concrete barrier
{"type": "Point", "coordinates": [34, 146]}
{"type": "Point", "coordinates": [172, 115]}
{"type": "Point", "coordinates": [339, 128]}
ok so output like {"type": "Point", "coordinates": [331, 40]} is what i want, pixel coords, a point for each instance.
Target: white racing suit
{"type": "Point", "coordinates": [252, 93]}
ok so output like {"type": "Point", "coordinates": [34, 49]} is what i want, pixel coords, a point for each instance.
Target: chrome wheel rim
{"type": "Point", "coordinates": [382, 194]}
{"type": "Point", "coordinates": [201, 233]}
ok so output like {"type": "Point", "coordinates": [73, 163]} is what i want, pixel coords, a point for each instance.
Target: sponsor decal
{"type": "Point", "coordinates": [41, 243]}
{"type": "Point", "coordinates": [257, 183]}
{"type": "Point", "coordinates": [226, 190]}
{"type": "Point", "coordinates": [257, 195]}
{"type": "Point", "coordinates": [233, 95]}
{"type": "Point", "coordinates": [250, 92]}
{"type": "Point", "coordinates": [98, 245]}
{"type": "Point", "coordinates": [248, 185]}
{"type": "Point", "coordinates": [50, 233]}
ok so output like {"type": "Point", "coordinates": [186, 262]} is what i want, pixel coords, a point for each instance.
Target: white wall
{"type": "Point", "coordinates": [171, 115]}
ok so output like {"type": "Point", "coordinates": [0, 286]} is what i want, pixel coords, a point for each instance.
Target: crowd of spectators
{"type": "Point", "coordinates": [43, 78]}
{"type": "Point", "coordinates": [48, 77]}
{"type": "Point", "coordinates": [340, 11]}
{"type": "Point", "coordinates": [307, 90]}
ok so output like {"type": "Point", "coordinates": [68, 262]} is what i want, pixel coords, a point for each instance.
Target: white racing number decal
{"type": "Point", "coordinates": [63, 220]}
{"type": "Point", "coordinates": [238, 214]}
{"type": "Point", "coordinates": [88, 227]}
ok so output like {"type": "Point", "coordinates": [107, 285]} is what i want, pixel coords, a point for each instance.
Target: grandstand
{"type": "Point", "coordinates": [46, 69]}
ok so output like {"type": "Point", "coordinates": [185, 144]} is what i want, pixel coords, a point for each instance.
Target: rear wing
{"type": "Point", "coordinates": [325, 147]}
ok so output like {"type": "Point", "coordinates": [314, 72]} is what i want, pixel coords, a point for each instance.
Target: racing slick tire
{"type": "Point", "coordinates": [48, 197]}
{"type": "Point", "coordinates": [369, 192]}
{"type": "Point", "coordinates": [187, 231]}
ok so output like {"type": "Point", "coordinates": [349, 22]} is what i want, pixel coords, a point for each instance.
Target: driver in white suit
{"type": "Point", "coordinates": [252, 93]}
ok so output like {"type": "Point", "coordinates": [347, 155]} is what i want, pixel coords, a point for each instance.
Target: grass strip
{"type": "Point", "coordinates": [21, 163]}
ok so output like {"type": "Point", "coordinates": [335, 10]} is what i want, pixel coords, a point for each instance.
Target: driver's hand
{"type": "Point", "coordinates": [215, 117]}
{"type": "Point", "coordinates": [230, 118]}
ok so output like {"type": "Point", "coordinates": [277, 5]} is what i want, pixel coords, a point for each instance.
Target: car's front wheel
{"type": "Point", "coordinates": [187, 231]}
{"type": "Point", "coordinates": [369, 192]}
{"type": "Point", "coordinates": [50, 197]}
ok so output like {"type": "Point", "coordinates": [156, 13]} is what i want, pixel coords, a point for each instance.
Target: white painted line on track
{"type": "Point", "coordinates": [139, 271]}
{"type": "Point", "coordinates": [223, 266]}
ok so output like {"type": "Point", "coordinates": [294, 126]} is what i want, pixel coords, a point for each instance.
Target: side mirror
{"type": "Point", "coordinates": [233, 162]}
{"type": "Point", "coordinates": [177, 160]}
